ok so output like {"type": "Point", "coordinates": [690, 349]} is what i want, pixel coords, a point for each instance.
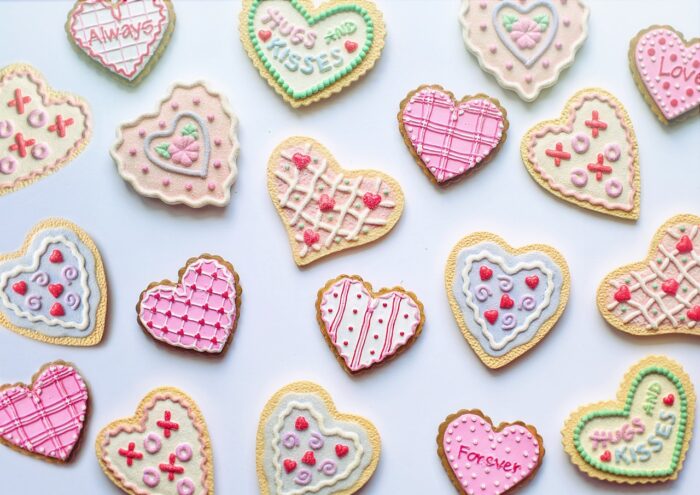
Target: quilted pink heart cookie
{"type": "Point", "coordinates": [185, 152]}
{"type": "Point", "coordinates": [41, 130]}
{"type": "Point", "coordinates": [325, 208]}
{"type": "Point", "coordinates": [200, 312]}
{"type": "Point", "coordinates": [588, 156]}
{"type": "Point", "coordinates": [164, 449]}
{"type": "Point", "coordinates": [45, 419]}
{"type": "Point", "coordinates": [482, 459]}
{"type": "Point", "coordinates": [450, 139]}
{"type": "Point", "coordinates": [524, 44]}
{"type": "Point", "coordinates": [660, 295]}
{"type": "Point", "coordinates": [666, 69]}
{"type": "Point", "coordinates": [125, 37]}
{"type": "Point", "coordinates": [366, 328]}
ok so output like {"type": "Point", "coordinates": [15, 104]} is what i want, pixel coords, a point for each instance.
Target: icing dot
{"type": "Point", "coordinates": [482, 5]}
{"type": "Point", "coordinates": [196, 101]}
{"type": "Point", "coordinates": [188, 187]}
{"type": "Point", "coordinates": [166, 182]}
{"type": "Point", "coordinates": [211, 186]}
{"type": "Point", "coordinates": [210, 118]}
{"type": "Point", "coordinates": [674, 102]}
{"type": "Point", "coordinates": [144, 169]}
{"type": "Point", "coordinates": [37, 118]}
{"type": "Point", "coordinates": [545, 63]}
{"type": "Point", "coordinates": [132, 151]}
{"type": "Point", "coordinates": [142, 132]}
{"type": "Point", "coordinates": [217, 164]}
{"type": "Point", "coordinates": [662, 41]}
{"type": "Point", "coordinates": [509, 65]}
{"type": "Point", "coordinates": [558, 45]}
{"type": "Point", "coordinates": [174, 105]}
{"type": "Point", "coordinates": [217, 142]}
{"type": "Point", "coordinates": [162, 124]}
{"type": "Point", "coordinates": [673, 57]}
{"type": "Point", "coordinates": [482, 26]}
{"type": "Point", "coordinates": [666, 85]}
{"type": "Point", "coordinates": [696, 64]}
{"type": "Point", "coordinates": [566, 22]}
{"type": "Point", "coordinates": [151, 477]}
{"type": "Point", "coordinates": [528, 78]}
{"type": "Point", "coordinates": [689, 91]}
{"type": "Point", "coordinates": [651, 52]}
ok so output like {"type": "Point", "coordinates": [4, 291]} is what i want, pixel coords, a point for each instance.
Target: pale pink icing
{"type": "Point", "coordinates": [487, 462]}
{"type": "Point", "coordinates": [367, 330]}
{"type": "Point", "coordinates": [47, 418]}
{"type": "Point", "coordinates": [449, 139]}
{"type": "Point", "coordinates": [670, 71]}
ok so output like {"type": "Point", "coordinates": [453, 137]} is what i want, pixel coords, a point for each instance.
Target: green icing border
{"type": "Point", "coordinates": [680, 435]}
{"type": "Point", "coordinates": [300, 95]}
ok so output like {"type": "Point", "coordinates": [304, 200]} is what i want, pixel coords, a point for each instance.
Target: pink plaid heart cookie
{"type": "Point", "coordinates": [666, 69]}
{"type": "Point", "coordinates": [325, 208]}
{"type": "Point", "coordinates": [200, 312]}
{"type": "Point", "coordinates": [125, 37]}
{"type": "Point", "coordinates": [660, 295]}
{"type": "Point", "coordinates": [366, 328]}
{"type": "Point", "coordinates": [450, 139]}
{"type": "Point", "coordinates": [45, 419]}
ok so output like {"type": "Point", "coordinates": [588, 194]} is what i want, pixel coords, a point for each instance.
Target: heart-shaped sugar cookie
{"type": "Point", "coordinates": [505, 299]}
{"type": "Point", "coordinates": [325, 208]}
{"type": "Point", "coordinates": [366, 328]}
{"type": "Point", "coordinates": [643, 436]}
{"type": "Point", "coordinates": [45, 419]}
{"type": "Point", "coordinates": [660, 295]}
{"type": "Point", "coordinates": [588, 156]}
{"type": "Point", "coordinates": [307, 52]}
{"type": "Point", "coordinates": [449, 139]}
{"type": "Point", "coordinates": [163, 450]}
{"type": "Point", "coordinates": [666, 69]}
{"type": "Point", "coordinates": [304, 445]}
{"type": "Point", "coordinates": [41, 130]}
{"type": "Point", "coordinates": [54, 289]}
{"type": "Point", "coordinates": [482, 458]}
{"type": "Point", "coordinates": [199, 312]}
{"type": "Point", "coordinates": [125, 37]}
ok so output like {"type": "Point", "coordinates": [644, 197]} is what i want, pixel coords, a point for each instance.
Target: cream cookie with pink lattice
{"type": "Point", "coordinates": [660, 295]}
{"type": "Point", "coordinates": [199, 312]}
{"type": "Point", "coordinates": [124, 37]}
{"type": "Point", "coordinates": [325, 208]}
{"type": "Point", "coordinates": [185, 152]}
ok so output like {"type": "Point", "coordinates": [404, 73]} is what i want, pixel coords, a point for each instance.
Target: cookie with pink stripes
{"type": "Point", "coordinates": [199, 312]}
{"type": "Point", "coordinates": [365, 328]}
{"type": "Point", "coordinates": [450, 139]}
{"type": "Point", "coordinates": [125, 37]}
{"type": "Point", "coordinates": [661, 294]}
{"type": "Point", "coordinates": [45, 419]}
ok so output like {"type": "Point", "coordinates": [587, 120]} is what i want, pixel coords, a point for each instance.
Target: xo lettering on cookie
{"type": "Point", "coordinates": [124, 37]}
{"type": "Point", "coordinates": [642, 436]}
{"type": "Point", "coordinates": [305, 446]}
{"type": "Point", "coordinates": [308, 52]}
{"type": "Point", "coordinates": [164, 449]}
{"type": "Point", "coordinates": [505, 299]}
{"type": "Point", "coordinates": [486, 459]}
{"type": "Point", "coordinates": [185, 152]}
{"type": "Point", "coordinates": [660, 295]}
{"type": "Point", "coordinates": [41, 129]}
{"type": "Point", "coordinates": [53, 289]}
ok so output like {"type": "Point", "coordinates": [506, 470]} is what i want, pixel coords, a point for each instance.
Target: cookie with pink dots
{"type": "Point", "coordinates": [185, 152]}
{"type": "Point", "coordinates": [46, 418]}
{"type": "Point", "coordinates": [666, 69]}
{"type": "Point", "coordinates": [524, 44]}
{"type": "Point", "coordinates": [661, 294]}
{"type": "Point", "coordinates": [588, 156]}
{"type": "Point", "coordinates": [164, 449]}
{"type": "Point", "coordinates": [199, 312]}
{"type": "Point", "coordinates": [325, 208]}
{"type": "Point", "coordinates": [481, 458]}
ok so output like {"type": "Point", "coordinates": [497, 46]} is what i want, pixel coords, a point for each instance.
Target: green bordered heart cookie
{"type": "Point", "coordinates": [643, 435]}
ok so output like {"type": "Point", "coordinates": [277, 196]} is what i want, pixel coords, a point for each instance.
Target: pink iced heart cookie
{"type": "Point", "coordinates": [164, 449]}
{"type": "Point", "coordinates": [45, 419]}
{"type": "Point", "coordinates": [483, 459]}
{"type": "Point", "coordinates": [588, 156]}
{"type": "Point", "coordinates": [325, 208]}
{"type": "Point", "coordinates": [125, 37]}
{"type": "Point", "coordinates": [525, 44]}
{"type": "Point", "coordinates": [200, 312]}
{"type": "Point", "coordinates": [184, 153]}
{"type": "Point", "coordinates": [41, 130]}
{"type": "Point", "coordinates": [666, 69]}
{"type": "Point", "coordinates": [366, 328]}
{"type": "Point", "coordinates": [449, 139]}
{"type": "Point", "coordinates": [661, 294]}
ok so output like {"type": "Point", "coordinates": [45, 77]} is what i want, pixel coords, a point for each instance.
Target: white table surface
{"type": "Point", "coordinates": [278, 340]}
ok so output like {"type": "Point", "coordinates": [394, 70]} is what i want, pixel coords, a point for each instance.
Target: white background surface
{"type": "Point", "coordinates": [278, 340]}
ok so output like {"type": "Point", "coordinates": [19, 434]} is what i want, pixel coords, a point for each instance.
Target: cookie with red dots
{"type": "Point", "coordinates": [163, 449]}
{"type": "Point", "coordinates": [54, 289]}
{"type": "Point", "coordinates": [643, 435]}
{"type": "Point", "coordinates": [661, 294]}
{"type": "Point", "coordinates": [305, 445]}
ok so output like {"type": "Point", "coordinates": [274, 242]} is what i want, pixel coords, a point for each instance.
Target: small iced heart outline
{"type": "Point", "coordinates": [204, 167]}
